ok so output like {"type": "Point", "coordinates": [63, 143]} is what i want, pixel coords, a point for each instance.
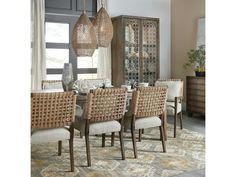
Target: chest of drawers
{"type": "Point", "coordinates": [195, 95]}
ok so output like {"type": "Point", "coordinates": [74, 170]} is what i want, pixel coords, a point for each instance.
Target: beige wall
{"type": "Point", "coordinates": [184, 16]}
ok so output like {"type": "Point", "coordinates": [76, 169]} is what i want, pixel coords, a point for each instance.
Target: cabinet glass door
{"type": "Point", "coordinates": [132, 51]}
{"type": "Point", "coordinates": [149, 51]}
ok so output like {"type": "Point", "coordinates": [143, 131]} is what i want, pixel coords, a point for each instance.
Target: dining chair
{"type": "Point", "coordinates": [51, 84]}
{"type": "Point", "coordinates": [146, 111]}
{"type": "Point", "coordinates": [52, 117]}
{"type": "Point", "coordinates": [103, 113]}
{"type": "Point", "coordinates": [174, 99]}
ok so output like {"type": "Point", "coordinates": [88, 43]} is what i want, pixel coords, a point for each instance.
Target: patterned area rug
{"type": "Point", "coordinates": [184, 153]}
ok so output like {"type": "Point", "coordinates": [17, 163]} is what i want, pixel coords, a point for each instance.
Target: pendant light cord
{"type": "Point", "coordinates": [84, 7]}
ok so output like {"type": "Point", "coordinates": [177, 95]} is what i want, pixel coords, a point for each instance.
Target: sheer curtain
{"type": "Point", "coordinates": [104, 54]}
{"type": "Point", "coordinates": [38, 59]}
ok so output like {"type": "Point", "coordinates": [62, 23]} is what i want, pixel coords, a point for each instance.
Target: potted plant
{"type": "Point", "coordinates": [197, 59]}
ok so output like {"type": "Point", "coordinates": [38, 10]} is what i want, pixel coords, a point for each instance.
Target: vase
{"type": "Point", "coordinates": [67, 77]}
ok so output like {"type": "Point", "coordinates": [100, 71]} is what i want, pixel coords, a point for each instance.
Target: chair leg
{"type": "Point", "coordinates": [112, 138]}
{"type": "Point", "coordinates": [59, 147]}
{"type": "Point", "coordinates": [103, 139]}
{"type": "Point", "coordinates": [81, 136]}
{"type": "Point", "coordinates": [175, 119]}
{"type": "Point", "coordinates": [134, 143]}
{"type": "Point", "coordinates": [122, 148]}
{"type": "Point", "coordinates": [140, 134]}
{"type": "Point", "coordinates": [88, 149]}
{"type": "Point", "coordinates": [162, 139]}
{"type": "Point", "coordinates": [71, 155]}
{"type": "Point", "coordinates": [180, 119]}
{"type": "Point", "coordinates": [71, 147]}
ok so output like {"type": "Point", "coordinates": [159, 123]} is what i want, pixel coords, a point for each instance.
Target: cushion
{"type": "Point", "coordinates": [47, 135]}
{"type": "Point", "coordinates": [170, 106]}
{"type": "Point", "coordinates": [144, 122]}
{"type": "Point", "coordinates": [174, 88]}
{"type": "Point", "coordinates": [97, 127]}
{"type": "Point", "coordinates": [57, 85]}
{"type": "Point", "coordinates": [78, 111]}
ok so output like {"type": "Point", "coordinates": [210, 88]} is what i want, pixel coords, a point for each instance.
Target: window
{"type": "Point", "coordinates": [58, 31]}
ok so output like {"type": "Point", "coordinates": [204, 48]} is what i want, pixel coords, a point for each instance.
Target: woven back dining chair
{"type": "Point", "coordinates": [51, 115]}
{"type": "Point", "coordinates": [103, 113]}
{"type": "Point", "coordinates": [146, 111]}
{"type": "Point", "coordinates": [174, 98]}
{"type": "Point", "coordinates": [51, 84]}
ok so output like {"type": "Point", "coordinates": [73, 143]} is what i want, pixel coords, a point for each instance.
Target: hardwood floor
{"type": "Point", "coordinates": [197, 124]}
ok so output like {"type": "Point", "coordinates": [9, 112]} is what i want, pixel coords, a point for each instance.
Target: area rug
{"type": "Point", "coordinates": [184, 153]}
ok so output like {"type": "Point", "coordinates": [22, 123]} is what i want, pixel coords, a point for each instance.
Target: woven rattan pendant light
{"type": "Point", "coordinates": [103, 27]}
{"type": "Point", "coordinates": [84, 39]}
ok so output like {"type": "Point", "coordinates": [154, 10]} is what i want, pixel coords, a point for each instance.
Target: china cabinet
{"type": "Point", "coordinates": [135, 50]}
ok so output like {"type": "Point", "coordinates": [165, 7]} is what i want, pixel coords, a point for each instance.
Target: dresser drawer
{"type": "Point", "coordinates": [195, 94]}
{"type": "Point", "coordinates": [195, 80]}
{"type": "Point", "coordinates": [196, 87]}
{"type": "Point", "coordinates": [195, 97]}
{"type": "Point", "coordinates": [196, 110]}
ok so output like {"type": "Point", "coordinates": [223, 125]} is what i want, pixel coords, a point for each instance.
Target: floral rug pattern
{"type": "Point", "coordinates": [184, 153]}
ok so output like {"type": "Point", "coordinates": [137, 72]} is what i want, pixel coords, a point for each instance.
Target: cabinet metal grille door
{"type": "Point", "coordinates": [132, 51]}
{"type": "Point", "coordinates": [149, 51]}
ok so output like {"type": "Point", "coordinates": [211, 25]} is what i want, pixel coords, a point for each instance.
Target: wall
{"type": "Point", "coordinates": [184, 16]}
{"type": "Point", "coordinates": [149, 8]}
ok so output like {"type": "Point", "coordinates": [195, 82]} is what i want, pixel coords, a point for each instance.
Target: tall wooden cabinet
{"type": "Point", "coordinates": [195, 95]}
{"type": "Point", "coordinates": [135, 50]}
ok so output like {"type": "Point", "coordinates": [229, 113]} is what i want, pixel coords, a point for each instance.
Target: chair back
{"type": "Point", "coordinates": [175, 87]}
{"type": "Point", "coordinates": [148, 101]}
{"type": "Point", "coordinates": [52, 110]}
{"type": "Point", "coordinates": [106, 104]}
{"type": "Point", "coordinates": [51, 84]}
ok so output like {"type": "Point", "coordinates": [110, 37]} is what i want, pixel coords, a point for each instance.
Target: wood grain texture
{"type": "Point", "coordinates": [195, 94]}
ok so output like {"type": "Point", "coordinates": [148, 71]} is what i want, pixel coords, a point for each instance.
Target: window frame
{"type": "Point", "coordinates": [71, 20]}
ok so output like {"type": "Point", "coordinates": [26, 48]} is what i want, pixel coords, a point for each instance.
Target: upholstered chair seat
{"type": "Point", "coordinates": [51, 84]}
{"type": "Point", "coordinates": [99, 127]}
{"type": "Point", "coordinates": [170, 107]}
{"type": "Point", "coordinates": [51, 134]}
{"type": "Point", "coordinates": [143, 122]}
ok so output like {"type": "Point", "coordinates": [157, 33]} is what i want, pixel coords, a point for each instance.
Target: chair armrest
{"type": "Point", "coordinates": [179, 99]}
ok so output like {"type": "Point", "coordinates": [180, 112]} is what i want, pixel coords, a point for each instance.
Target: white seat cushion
{"type": "Point", "coordinates": [170, 106]}
{"type": "Point", "coordinates": [97, 127]}
{"type": "Point", "coordinates": [78, 111]}
{"type": "Point", "coordinates": [47, 135]}
{"type": "Point", "coordinates": [144, 122]}
{"type": "Point", "coordinates": [174, 88]}
{"type": "Point", "coordinates": [49, 86]}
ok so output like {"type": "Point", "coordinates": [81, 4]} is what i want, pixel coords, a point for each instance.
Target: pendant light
{"type": "Point", "coordinates": [84, 39]}
{"type": "Point", "coordinates": [103, 27]}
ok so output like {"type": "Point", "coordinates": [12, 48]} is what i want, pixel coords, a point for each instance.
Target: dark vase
{"type": "Point", "coordinates": [200, 73]}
